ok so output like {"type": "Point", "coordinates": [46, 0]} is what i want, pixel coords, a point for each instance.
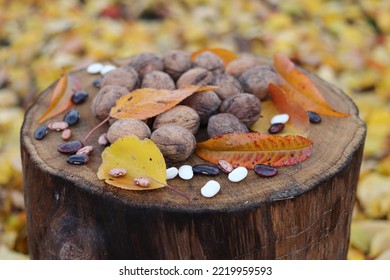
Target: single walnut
{"type": "Point", "coordinates": [238, 66]}
{"type": "Point", "coordinates": [176, 63]}
{"type": "Point", "coordinates": [106, 99]}
{"type": "Point", "coordinates": [246, 107]}
{"type": "Point", "coordinates": [257, 79]}
{"type": "Point", "coordinates": [205, 103]}
{"type": "Point", "coordinates": [227, 86]}
{"type": "Point", "coordinates": [195, 76]}
{"type": "Point", "coordinates": [126, 127]}
{"type": "Point", "coordinates": [145, 63]}
{"type": "Point", "coordinates": [158, 80]}
{"type": "Point", "coordinates": [175, 142]}
{"type": "Point", "coordinates": [125, 77]}
{"type": "Point", "coordinates": [224, 123]}
{"type": "Point", "coordinates": [180, 115]}
{"type": "Point", "coordinates": [210, 61]}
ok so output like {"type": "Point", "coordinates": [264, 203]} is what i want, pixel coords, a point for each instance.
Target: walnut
{"type": "Point", "coordinates": [158, 80]}
{"type": "Point", "coordinates": [180, 115]}
{"type": "Point", "coordinates": [211, 62]}
{"type": "Point", "coordinates": [224, 123]}
{"type": "Point", "coordinates": [106, 99]}
{"type": "Point", "coordinates": [257, 79]}
{"type": "Point", "coordinates": [205, 103]}
{"type": "Point", "coordinates": [195, 76]}
{"type": "Point", "coordinates": [125, 77]}
{"type": "Point", "coordinates": [145, 63]}
{"type": "Point", "coordinates": [176, 63]}
{"type": "Point", "coordinates": [175, 142]}
{"type": "Point", "coordinates": [238, 66]}
{"type": "Point", "coordinates": [126, 127]}
{"type": "Point", "coordinates": [227, 86]}
{"type": "Point", "coordinates": [244, 106]}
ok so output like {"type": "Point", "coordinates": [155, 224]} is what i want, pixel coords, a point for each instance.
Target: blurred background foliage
{"type": "Point", "coordinates": [345, 42]}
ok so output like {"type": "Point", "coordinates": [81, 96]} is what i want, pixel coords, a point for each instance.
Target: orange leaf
{"type": "Point", "coordinates": [284, 101]}
{"type": "Point", "coordinates": [146, 102]}
{"type": "Point", "coordinates": [249, 149]}
{"type": "Point", "coordinates": [303, 89]}
{"type": "Point", "coordinates": [56, 95]}
{"type": "Point", "coordinates": [223, 54]}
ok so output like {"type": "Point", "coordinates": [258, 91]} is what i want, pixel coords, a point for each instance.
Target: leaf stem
{"type": "Point", "coordinates": [179, 193]}
{"type": "Point", "coordinates": [95, 128]}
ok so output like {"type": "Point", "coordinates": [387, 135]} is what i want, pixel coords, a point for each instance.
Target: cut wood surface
{"type": "Point", "coordinates": [302, 213]}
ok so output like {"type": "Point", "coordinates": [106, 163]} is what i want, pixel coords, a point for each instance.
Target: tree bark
{"type": "Point", "coordinates": [302, 213]}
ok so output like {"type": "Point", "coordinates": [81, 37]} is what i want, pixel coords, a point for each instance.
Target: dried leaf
{"type": "Point", "coordinates": [285, 102]}
{"type": "Point", "coordinates": [249, 149]}
{"type": "Point", "coordinates": [223, 54]}
{"type": "Point", "coordinates": [140, 158]}
{"type": "Point", "coordinates": [304, 90]}
{"type": "Point", "coordinates": [146, 102]}
{"type": "Point", "coordinates": [56, 95]}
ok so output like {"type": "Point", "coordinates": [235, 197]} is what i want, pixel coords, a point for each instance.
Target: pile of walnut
{"type": "Point", "coordinates": [234, 107]}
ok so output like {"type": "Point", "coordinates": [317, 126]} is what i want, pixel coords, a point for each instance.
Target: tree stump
{"type": "Point", "coordinates": [302, 213]}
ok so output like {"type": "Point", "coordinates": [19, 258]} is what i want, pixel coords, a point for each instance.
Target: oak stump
{"type": "Point", "coordinates": [302, 213]}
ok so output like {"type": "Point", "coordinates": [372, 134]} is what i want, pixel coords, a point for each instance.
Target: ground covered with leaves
{"type": "Point", "coordinates": [345, 42]}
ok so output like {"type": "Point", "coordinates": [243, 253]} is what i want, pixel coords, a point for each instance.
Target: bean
{"type": "Point", "coordinates": [79, 97]}
{"type": "Point", "coordinates": [77, 159]}
{"type": "Point", "coordinates": [66, 134]}
{"type": "Point", "coordinates": [314, 117]}
{"type": "Point", "coordinates": [72, 117]}
{"type": "Point", "coordinates": [58, 126]}
{"type": "Point", "coordinates": [282, 118]}
{"type": "Point", "coordinates": [117, 172]}
{"type": "Point", "coordinates": [96, 83]}
{"type": "Point", "coordinates": [142, 182]}
{"type": "Point", "coordinates": [41, 132]}
{"type": "Point", "coordinates": [275, 128]}
{"type": "Point", "coordinates": [85, 150]}
{"type": "Point", "coordinates": [70, 147]}
{"type": "Point", "coordinates": [103, 139]}
{"type": "Point", "coordinates": [225, 166]}
{"type": "Point", "coordinates": [206, 169]}
{"type": "Point", "coordinates": [265, 170]}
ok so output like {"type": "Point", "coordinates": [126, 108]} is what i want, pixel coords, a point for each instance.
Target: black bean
{"type": "Point", "coordinates": [265, 170]}
{"type": "Point", "coordinates": [79, 97]}
{"type": "Point", "coordinates": [77, 159]}
{"type": "Point", "coordinates": [96, 83]}
{"type": "Point", "coordinates": [72, 117]}
{"type": "Point", "coordinates": [41, 132]}
{"type": "Point", "coordinates": [70, 147]}
{"type": "Point", "coordinates": [275, 128]}
{"type": "Point", "coordinates": [314, 117]}
{"type": "Point", "coordinates": [206, 169]}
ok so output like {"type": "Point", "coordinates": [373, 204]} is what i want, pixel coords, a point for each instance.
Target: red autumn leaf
{"type": "Point", "coordinates": [223, 54]}
{"type": "Point", "coordinates": [285, 102]}
{"type": "Point", "coordinates": [249, 149]}
{"type": "Point", "coordinates": [56, 96]}
{"type": "Point", "coordinates": [145, 103]}
{"type": "Point", "coordinates": [302, 88]}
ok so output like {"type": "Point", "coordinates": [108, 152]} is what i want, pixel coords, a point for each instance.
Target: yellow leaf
{"type": "Point", "coordinates": [140, 158]}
